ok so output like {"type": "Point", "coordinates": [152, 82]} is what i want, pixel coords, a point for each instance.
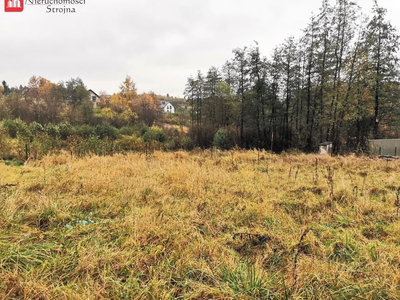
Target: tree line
{"type": "Point", "coordinates": [22, 141]}
{"type": "Point", "coordinates": [338, 82]}
{"type": "Point", "coordinates": [44, 117]}
{"type": "Point", "coordinates": [45, 102]}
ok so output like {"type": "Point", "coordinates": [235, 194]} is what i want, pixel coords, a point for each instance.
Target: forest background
{"type": "Point", "coordinates": [338, 82]}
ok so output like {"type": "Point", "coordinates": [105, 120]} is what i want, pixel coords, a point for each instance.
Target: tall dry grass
{"type": "Point", "coordinates": [224, 225]}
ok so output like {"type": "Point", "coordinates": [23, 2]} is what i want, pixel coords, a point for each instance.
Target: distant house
{"type": "Point", "coordinates": [94, 98]}
{"type": "Point", "coordinates": [167, 107]}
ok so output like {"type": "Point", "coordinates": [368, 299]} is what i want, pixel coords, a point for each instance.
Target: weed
{"type": "Point", "coordinates": [331, 183]}
{"type": "Point", "coordinates": [296, 257]}
{"type": "Point", "coordinates": [397, 202]}
{"type": "Point", "coordinates": [244, 280]}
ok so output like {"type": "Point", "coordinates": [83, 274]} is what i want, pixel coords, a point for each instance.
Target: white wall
{"type": "Point", "coordinates": [169, 108]}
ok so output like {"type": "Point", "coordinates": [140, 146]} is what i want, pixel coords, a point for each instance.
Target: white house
{"type": "Point", "coordinates": [94, 98]}
{"type": "Point", "coordinates": [167, 107]}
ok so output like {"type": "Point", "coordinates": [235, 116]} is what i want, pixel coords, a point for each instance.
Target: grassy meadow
{"type": "Point", "coordinates": [201, 225]}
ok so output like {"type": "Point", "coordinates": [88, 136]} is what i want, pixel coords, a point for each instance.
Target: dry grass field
{"type": "Point", "coordinates": [227, 225]}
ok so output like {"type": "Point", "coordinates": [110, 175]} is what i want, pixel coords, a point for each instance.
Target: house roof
{"type": "Point", "coordinates": [94, 93]}
{"type": "Point", "coordinates": [165, 103]}
{"type": "Point", "coordinates": [325, 144]}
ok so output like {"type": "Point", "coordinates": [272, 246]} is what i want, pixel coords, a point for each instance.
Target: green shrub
{"type": "Point", "coordinates": [187, 143]}
{"type": "Point", "coordinates": [127, 130]}
{"type": "Point", "coordinates": [36, 128]}
{"type": "Point", "coordinates": [222, 140]}
{"type": "Point", "coordinates": [143, 130]}
{"type": "Point", "coordinates": [156, 134]}
{"type": "Point", "coordinates": [65, 130]}
{"type": "Point", "coordinates": [52, 130]}
{"type": "Point", "coordinates": [129, 143]}
{"type": "Point", "coordinates": [105, 130]}
{"type": "Point", "coordinates": [5, 144]}
{"type": "Point", "coordinates": [84, 131]}
{"type": "Point", "coordinates": [16, 127]}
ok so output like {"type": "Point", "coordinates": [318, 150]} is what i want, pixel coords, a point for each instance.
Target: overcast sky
{"type": "Point", "coordinates": [159, 43]}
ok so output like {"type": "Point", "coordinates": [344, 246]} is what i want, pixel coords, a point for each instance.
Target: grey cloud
{"type": "Point", "coordinates": [159, 43]}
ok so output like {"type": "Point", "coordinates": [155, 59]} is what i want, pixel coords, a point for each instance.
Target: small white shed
{"type": "Point", "coordinates": [325, 148]}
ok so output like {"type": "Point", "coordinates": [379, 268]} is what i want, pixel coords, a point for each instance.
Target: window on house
{"type": "Point", "coordinates": [94, 98]}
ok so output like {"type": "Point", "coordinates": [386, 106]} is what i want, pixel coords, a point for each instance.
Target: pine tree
{"type": "Point", "coordinates": [382, 43]}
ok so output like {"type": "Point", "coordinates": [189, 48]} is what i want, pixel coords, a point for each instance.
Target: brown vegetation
{"type": "Point", "coordinates": [221, 225]}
